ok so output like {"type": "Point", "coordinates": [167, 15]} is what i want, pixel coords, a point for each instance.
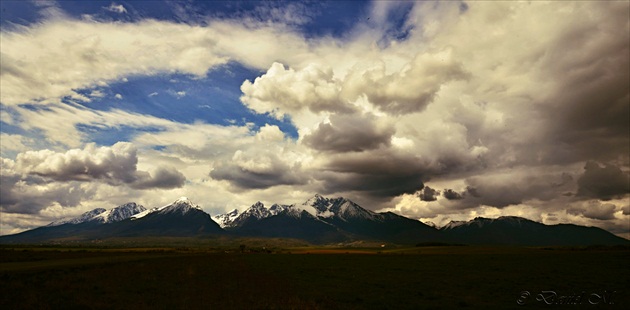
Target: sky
{"type": "Point", "coordinates": [437, 111]}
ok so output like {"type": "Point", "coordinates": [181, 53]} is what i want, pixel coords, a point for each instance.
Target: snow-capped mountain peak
{"type": "Point", "coordinates": [347, 209]}
{"type": "Point", "coordinates": [319, 207]}
{"type": "Point", "coordinates": [276, 208]}
{"type": "Point", "coordinates": [257, 210]}
{"type": "Point", "coordinates": [338, 207]}
{"type": "Point", "coordinates": [318, 202]}
{"type": "Point", "coordinates": [120, 213]}
{"type": "Point", "coordinates": [100, 215]}
{"type": "Point", "coordinates": [482, 221]}
{"type": "Point", "coordinates": [85, 217]}
{"type": "Point", "coordinates": [182, 199]}
{"type": "Point", "coordinates": [225, 220]}
{"type": "Point", "coordinates": [182, 205]}
{"type": "Point", "coordinates": [453, 224]}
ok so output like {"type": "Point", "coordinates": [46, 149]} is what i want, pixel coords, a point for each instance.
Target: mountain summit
{"type": "Point", "coordinates": [318, 206]}
{"type": "Point", "coordinates": [320, 219]}
{"type": "Point", "coordinates": [120, 213]}
{"type": "Point", "coordinates": [180, 218]}
{"type": "Point", "coordinates": [183, 205]}
{"type": "Point", "coordinates": [224, 220]}
{"type": "Point", "coordinates": [341, 208]}
{"type": "Point", "coordinates": [256, 212]}
{"type": "Point", "coordinates": [100, 215]}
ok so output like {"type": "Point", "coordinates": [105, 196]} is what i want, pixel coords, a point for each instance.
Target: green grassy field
{"type": "Point", "coordinates": [305, 277]}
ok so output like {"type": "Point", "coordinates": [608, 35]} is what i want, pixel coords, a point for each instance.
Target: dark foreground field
{"type": "Point", "coordinates": [313, 278]}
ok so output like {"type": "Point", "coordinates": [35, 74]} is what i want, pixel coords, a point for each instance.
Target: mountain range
{"type": "Point", "coordinates": [100, 215]}
{"type": "Point", "coordinates": [323, 220]}
{"type": "Point", "coordinates": [319, 220]}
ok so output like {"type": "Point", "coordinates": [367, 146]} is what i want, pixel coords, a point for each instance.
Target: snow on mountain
{"type": "Point", "coordinates": [85, 217]}
{"type": "Point", "coordinates": [482, 221]}
{"type": "Point", "coordinates": [182, 205]}
{"type": "Point", "coordinates": [318, 220]}
{"type": "Point", "coordinates": [298, 211]}
{"type": "Point", "coordinates": [119, 213]}
{"type": "Point", "coordinates": [340, 207]}
{"type": "Point", "coordinates": [347, 209]}
{"type": "Point", "coordinates": [144, 213]}
{"type": "Point", "coordinates": [275, 209]}
{"type": "Point", "coordinates": [320, 203]}
{"type": "Point", "coordinates": [257, 211]}
{"type": "Point", "coordinates": [100, 215]}
{"type": "Point", "coordinates": [453, 224]}
{"type": "Point", "coordinates": [319, 207]}
{"type": "Point", "coordinates": [225, 220]}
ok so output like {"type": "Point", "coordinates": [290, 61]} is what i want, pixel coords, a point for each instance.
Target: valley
{"type": "Point", "coordinates": [200, 274]}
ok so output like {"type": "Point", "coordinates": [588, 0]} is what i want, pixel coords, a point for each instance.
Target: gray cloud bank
{"type": "Point", "coordinates": [37, 178]}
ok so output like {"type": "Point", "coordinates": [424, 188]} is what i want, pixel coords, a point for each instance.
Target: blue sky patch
{"type": "Point", "coordinates": [187, 99]}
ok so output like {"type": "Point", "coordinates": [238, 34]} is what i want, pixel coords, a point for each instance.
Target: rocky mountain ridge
{"type": "Point", "coordinates": [318, 220]}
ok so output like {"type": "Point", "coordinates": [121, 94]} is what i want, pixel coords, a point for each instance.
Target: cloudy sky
{"type": "Point", "coordinates": [437, 111]}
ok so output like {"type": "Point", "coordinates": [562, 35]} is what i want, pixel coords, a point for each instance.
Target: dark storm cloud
{"type": "Point", "coordinates": [590, 107]}
{"type": "Point", "coordinates": [373, 185]}
{"type": "Point", "coordinates": [603, 182]}
{"type": "Point", "coordinates": [496, 195]}
{"type": "Point", "coordinates": [596, 210]}
{"type": "Point", "coordinates": [163, 177]}
{"type": "Point", "coordinates": [565, 179]}
{"type": "Point", "coordinates": [349, 133]}
{"type": "Point", "coordinates": [451, 194]}
{"type": "Point", "coordinates": [383, 174]}
{"type": "Point", "coordinates": [257, 171]}
{"type": "Point", "coordinates": [245, 179]}
{"type": "Point", "coordinates": [508, 189]}
{"type": "Point", "coordinates": [428, 194]}
{"type": "Point", "coordinates": [472, 191]}
{"type": "Point", "coordinates": [17, 195]}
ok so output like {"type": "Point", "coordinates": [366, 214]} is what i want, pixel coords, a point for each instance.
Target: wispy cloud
{"type": "Point", "coordinates": [116, 8]}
